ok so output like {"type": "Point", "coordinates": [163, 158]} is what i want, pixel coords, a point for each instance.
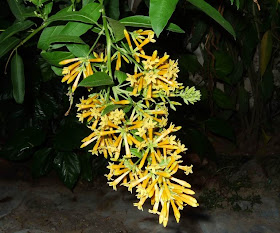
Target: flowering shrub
{"type": "Point", "coordinates": [129, 122]}
{"type": "Point", "coordinates": [126, 107]}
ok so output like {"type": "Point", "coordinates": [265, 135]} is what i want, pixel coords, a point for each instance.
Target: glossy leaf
{"type": "Point", "coordinates": [112, 8]}
{"type": "Point", "coordinates": [22, 143]}
{"type": "Point", "coordinates": [97, 79]}
{"type": "Point", "coordinates": [110, 108]}
{"type": "Point", "coordinates": [189, 63]}
{"type": "Point", "coordinates": [199, 30]}
{"type": "Point", "coordinates": [79, 50]}
{"type": "Point", "coordinates": [48, 33]}
{"type": "Point", "coordinates": [17, 8]}
{"type": "Point", "coordinates": [121, 76]}
{"type": "Point", "coordinates": [69, 136]}
{"type": "Point", "coordinates": [8, 45]}
{"type": "Point", "coordinates": [265, 51]}
{"type": "Point", "coordinates": [57, 56]}
{"type": "Point", "coordinates": [214, 14]}
{"type": "Point", "coordinates": [67, 164]}
{"type": "Point", "coordinates": [221, 128]}
{"type": "Point", "coordinates": [145, 22]}
{"type": "Point", "coordinates": [160, 12]}
{"type": "Point", "coordinates": [118, 29]}
{"type": "Point", "coordinates": [16, 27]}
{"type": "Point", "coordinates": [18, 79]}
{"type": "Point", "coordinates": [66, 39]}
{"type": "Point", "coordinates": [42, 162]}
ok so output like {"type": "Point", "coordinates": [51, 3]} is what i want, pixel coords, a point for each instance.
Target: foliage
{"type": "Point", "coordinates": [94, 47]}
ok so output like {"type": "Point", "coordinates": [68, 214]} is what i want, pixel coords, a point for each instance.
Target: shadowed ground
{"type": "Point", "coordinates": [46, 205]}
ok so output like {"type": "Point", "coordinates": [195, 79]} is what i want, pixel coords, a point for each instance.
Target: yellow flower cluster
{"type": "Point", "coordinates": [132, 132]}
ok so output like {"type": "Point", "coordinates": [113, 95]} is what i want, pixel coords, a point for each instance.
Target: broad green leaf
{"type": "Point", "coordinates": [189, 63]}
{"type": "Point", "coordinates": [67, 164]}
{"type": "Point", "coordinates": [78, 29]}
{"type": "Point", "coordinates": [69, 136]}
{"type": "Point", "coordinates": [72, 16]}
{"type": "Point", "coordinates": [145, 22]}
{"type": "Point", "coordinates": [42, 162]}
{"type": "Point", "coordinates": [214, 14]}
{"type": "Point", "coordinates": [66, 39]}
{"type": "Point", "coordinates": [223, 63]}
{"type": "Point", "coordinates": [48, 33]}
{"type": "Point", "coordinates": [17, 8]}
{"type": "Point", "coordinates": [45, 69]}
{"type": "Point", "coordinates": [57, 56]}
{"type": "Point", "coordinates": [118, 29]}
{"type": "Point", "coordinates": [16, 27]}
{"type": "Point", "coordinates": [18, 79]}
{"type": "Point", "coordinates": [7, 45]}
{"type": "Point", "coordinates": [111, 108]}
{"type": "Point", "coordinates": [160, 12]}
{"type": "Point", "coordinates": [96, 80]}
{"type": "Point", "coordinates": [79, 50]}
{"type": "Point", "coordinates": [22, 143]}
{"type": "Point", "coordinates": [221, 128]}
{"type": "Point", "coordinates": [222, 99]}
{"type": "Point", "coordinates": [266, 50]}
{"type": "Point", "coordinates": [121, 76]}
{"type": "Point", "coordinates": [112, 8]}
{"type": "Point", "coordinates": [56, 70]}
{"type": "Point", "coordinates": [199, 30]}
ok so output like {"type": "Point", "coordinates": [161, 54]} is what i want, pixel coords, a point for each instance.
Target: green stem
{"type": "Point", "coordinates": [108, 42]}
{"type": "Point", "coordinates": [97, 39]}
{"type": "Point", "coordinates": [24, 41]}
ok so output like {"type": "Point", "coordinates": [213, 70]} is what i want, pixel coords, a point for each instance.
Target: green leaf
{"type": "Point", "coordinates": [110, 108]}
{"type": "Point", "coordinates": [22, 143]}
{"type": "Point", "coordinates": [69, 136]}
{"type": "Point", "coordinates": [97, 79]}
{"type": "Point", "coordinates": [79, 50]}
{"type": "Point", "coordinates": [189, 63]}
{"type": "Point", "coordinates": [222, 100]}
{"type": "Point", "coordinates": [118, 29]}
{"type": "Point", "coordinates": [48, 33]}
{"type": "Point", "coordinates": [121, 76]}
{"type": "Point", "coordinates": [223, 63]}
{"type": "Point", "coordinates": [7, 45]}
{"type": "Point", "coordinates": [266, 51]}
{"type": "Point", "coordinates": [18, 79]}
{"type": "Point", "coordinates": [214, 14]}
{"type": "Point", "coordinates": [42, 162]}
{"type": "Point", "coordinates": [72, 16]}
{"type": "Point", "coordinates": [160, 12]}
{"type": "Point", "coordinates": [16, 27]}
{"type": "Point", "coordinates": [66, 39]}
{"type": "Point", "coordinates": [56, 70]}
{"type": "Point", "coordinates": [145, 22]}
{"type": "Point", "coordinates": [46, 71]}
{"type": "Point", "coordinates": [17, 8]}
{"type": "Point", "coordinates": [86, 166]}
{"type": "Point", "coordinates": [57, 56]}
{"type": "Point", "coordinates": [67, 164]}
{"type": "Point", "coordinates": [112, 8]}
{"type": "Point", "coordinates": [199, 30]}
{"type": "Point", "coordinates": [221, 128]}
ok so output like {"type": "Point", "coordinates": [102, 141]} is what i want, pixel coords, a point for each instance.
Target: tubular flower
{"type": "Point", "coordinates": [133, 132]}
{"type": "Point", "coordinates": [81, 66]}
